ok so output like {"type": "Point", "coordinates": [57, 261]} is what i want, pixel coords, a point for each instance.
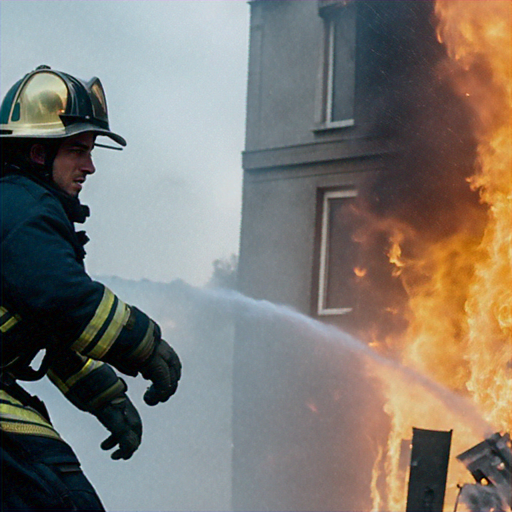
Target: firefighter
{"type": "Point", "coordinates": [50, 121]}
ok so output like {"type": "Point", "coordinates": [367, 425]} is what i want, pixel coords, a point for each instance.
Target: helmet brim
{"type": "Point", "coordinates": [68, 131]}
{"type": "Point", "coordinates": [84, 127]}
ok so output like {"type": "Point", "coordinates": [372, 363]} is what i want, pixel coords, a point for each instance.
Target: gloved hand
{"type": "Point", "coordinates": [123, 421]}
{"type": "Point", "coordinates": [163, 369]}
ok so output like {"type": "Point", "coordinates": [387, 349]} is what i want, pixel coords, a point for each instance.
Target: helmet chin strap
{"type": "Point", "coordinates": [51, 150]}
{"type": "Point", "coordinates": [45, 170]}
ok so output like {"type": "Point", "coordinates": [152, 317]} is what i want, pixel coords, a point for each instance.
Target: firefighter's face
{"type": "Point", "coordinates": [73, 163]}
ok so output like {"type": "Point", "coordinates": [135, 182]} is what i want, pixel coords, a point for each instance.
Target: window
{"type": "Point", "coordinates": [338, 254]}
{"type": "Point", "coordinates": [340, 64]}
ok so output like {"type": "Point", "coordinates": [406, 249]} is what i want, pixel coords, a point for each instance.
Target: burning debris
{"type": "Point", "coordinates": [490, 464]}
{"type": "Point", "coordinates": [478, 498]}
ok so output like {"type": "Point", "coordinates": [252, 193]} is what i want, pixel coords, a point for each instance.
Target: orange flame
{"type": "Point", "coordinates": [485, 34]}
{"type": "Point", "coordinates": [460, 289]}
{"type": "Point", "coordinates": [395, 253]}
{"type": "Point", "coordinates": [360, 272]}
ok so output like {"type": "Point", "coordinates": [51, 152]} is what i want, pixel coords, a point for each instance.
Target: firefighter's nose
{"type": "Point", "coordinates": [89, 167]}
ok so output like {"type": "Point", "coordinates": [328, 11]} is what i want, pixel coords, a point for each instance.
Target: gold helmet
{"type": "Point", "coordinates": [48, 104]}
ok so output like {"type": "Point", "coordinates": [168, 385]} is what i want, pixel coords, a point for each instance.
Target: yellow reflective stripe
{"type": "Point", "coordinates": [113, 391]}
{"type": "Point", "coordinates": [9, 324]}
{"type": "Point", "coordinates": [110, 335]}
{"type": "Point", "coordinates": [20, 413]}
{"type": "Point", "coordinates": [16, 418]}
{"type": "Point", "coordinates": [99, 318]}
{"type": "Point", "coordinates": [27, 429]}
{"type": "Point", "coordinates": [143, 351]}
{"type": "Point", "coordinates": [89, 366]}
{"type": "Point", "coordinates": [7, 320]}
{"type": "Point", "coordinates": [8, 398]}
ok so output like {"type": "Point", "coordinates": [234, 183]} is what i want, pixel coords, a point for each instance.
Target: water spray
{"type": "Point", "coordinates": [249, 307]}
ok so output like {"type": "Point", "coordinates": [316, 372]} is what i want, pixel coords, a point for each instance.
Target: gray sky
{"type": "Point", "coordinates": [175, 75]}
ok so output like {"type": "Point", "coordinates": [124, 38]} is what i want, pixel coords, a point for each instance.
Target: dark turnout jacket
{"type": "Point", "coordinates": [48, 301]}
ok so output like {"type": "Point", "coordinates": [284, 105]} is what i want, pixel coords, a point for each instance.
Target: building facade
{"type": "Point", "coordinates": [337, 104]}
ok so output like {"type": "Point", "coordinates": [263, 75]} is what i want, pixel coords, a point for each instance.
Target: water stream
{"type": "Point", "coordinates": [243, 306]}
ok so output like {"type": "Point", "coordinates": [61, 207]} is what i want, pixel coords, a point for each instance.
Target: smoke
{"type": "Point", "coordinates": [422, 196]}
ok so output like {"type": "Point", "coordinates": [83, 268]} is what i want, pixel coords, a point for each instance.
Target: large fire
{"type": "Point", "coordinates": [460, 288]}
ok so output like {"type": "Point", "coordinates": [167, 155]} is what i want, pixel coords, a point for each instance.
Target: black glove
{"type": "Point", "coordinates": [123, 421]}
{"type": "Point", "coordinates": [163, 369]}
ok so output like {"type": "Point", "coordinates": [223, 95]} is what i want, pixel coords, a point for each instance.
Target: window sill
{"type": "Point", "coordinates": [336, 125]}
{"type": "Point", "coordinates": [334, 312]}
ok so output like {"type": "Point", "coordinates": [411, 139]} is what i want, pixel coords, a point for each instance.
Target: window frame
{"type": "Point", "coordinates": [330, 15]}
{"type": "Point", "coordinates": [323, 269]}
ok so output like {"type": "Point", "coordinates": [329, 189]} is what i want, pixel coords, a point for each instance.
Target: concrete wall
{"type": "Point", "coordinates": [286, 71]}
{"type": "Point", "coordinates": [283, 70]}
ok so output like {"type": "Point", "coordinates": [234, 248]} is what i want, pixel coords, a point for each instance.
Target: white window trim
{"type": "Point", "coordinates": [324, 252]}
{"type": "Point", "coordinates": [329, 123]}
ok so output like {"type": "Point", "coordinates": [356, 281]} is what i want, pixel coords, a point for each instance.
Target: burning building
{"type": "Point", "coordinates": [377, 197]}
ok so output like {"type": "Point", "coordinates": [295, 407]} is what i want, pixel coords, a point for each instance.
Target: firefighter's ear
{"type": "Point", "coordinates": [38, 154]}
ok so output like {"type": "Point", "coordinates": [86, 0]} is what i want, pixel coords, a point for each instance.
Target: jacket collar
{"type": "Point", "coordinates": [75, 211]}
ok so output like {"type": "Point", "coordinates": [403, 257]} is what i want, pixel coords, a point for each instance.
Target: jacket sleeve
{"type": "Point", "coordinates": [118, 333]}
{"type": "Point", "coordinates": [46, 284]}
{"type": "Point", "coordinates": [86, 383]}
